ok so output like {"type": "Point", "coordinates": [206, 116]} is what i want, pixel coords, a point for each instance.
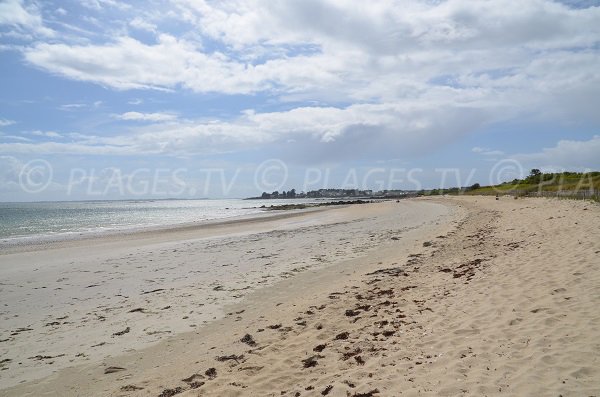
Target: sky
{"type": "Point", "coordinates": [107, 99]}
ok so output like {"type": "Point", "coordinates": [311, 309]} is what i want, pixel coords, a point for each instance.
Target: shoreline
{"type": "Point", "coordinates": [48, 238]}
{"type": "Point", "coordinates": [176, 282]}
{"type": "Point", "coordinates": [264, 211]}
{"type": "Point", "coordinates": [27, 244]}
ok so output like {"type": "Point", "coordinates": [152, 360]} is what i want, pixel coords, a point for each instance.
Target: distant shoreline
{"type": "Point", "coordinates": [43, 223]}
{"type": "Point", "coordinates": [46, 241]}
{"type": "Point", "coordinates": [43, 242]}
{"type": "Point", "coordinates": [288, 207]}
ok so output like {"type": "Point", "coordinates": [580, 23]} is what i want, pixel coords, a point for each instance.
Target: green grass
{"type": "Point", "coordinates": [565, 184]}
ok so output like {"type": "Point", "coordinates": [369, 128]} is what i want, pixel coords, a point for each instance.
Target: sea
{"type": "Point", "coordinates": [49, 221]}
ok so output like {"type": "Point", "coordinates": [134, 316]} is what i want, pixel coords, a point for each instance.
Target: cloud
{"type": "Point", "coordinates": [5, 122]}
{"type": "Point", "coordinates": [48, 148]}
{"type": "Point", "coordinates": [26, 18]}
{"type": "Point", "coordinates": [137, 116]}
{"type": "Point", "coordinates": [16, 138]}
{"type": "Point", "coordinates": [129, 63]}
{"type": "Point", "coordinates": [141, 24]}
{"type": "Point", "coordinates": [385, 27]}
{"type": "Point", "coordinates": [486, 151]}
{"type": "Point", "coordinates": [101, 4]}
{"type": "Point", "coordinates": [380, 79]}
{"type": "Point", "coordinates": [567, 155]}
{"type": "Point", "coordinates": [48, 134]}
{"type": "Point", "coordinates": [304, 134]}
{"type": "Point", "coordinates": [72, 106]}
{"type": "Point", "coordinates": [498, 53]}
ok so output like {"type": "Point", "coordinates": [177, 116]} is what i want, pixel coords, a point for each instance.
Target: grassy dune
{"type": "Point", "coordinates": [564, 184]}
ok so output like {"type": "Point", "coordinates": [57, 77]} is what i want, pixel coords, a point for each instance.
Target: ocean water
{"type": "Point", "coordinates": [60, 220]}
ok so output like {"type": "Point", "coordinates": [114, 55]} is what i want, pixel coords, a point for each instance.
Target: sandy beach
{"type": "Point", "coordinates": [446, 296]}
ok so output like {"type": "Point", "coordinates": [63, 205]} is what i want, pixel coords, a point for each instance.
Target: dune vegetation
{"type": "Point", "coordinates": [564, 184]}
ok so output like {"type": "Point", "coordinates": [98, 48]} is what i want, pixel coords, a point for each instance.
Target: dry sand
{"type": "Point", "coordinates": [452, 296]}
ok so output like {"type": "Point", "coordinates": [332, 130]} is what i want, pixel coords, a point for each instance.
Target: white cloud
{"type": "Point", "coordinates": [411, 75]}
{"type": "Point", "coordinates": [137, 116]}
{"type": "Point", "coordinates": [16, 138]}
{"type": "Point", "coordinates": [48, 134]}
{"type": "Point", "coordinates": [129, 63]}
{"type": "Point", "coordinates": [141, 24]}
{"type": "Point", "coordinates": [5, 122]}
{"type": "Point", "coordinates": [310, 135]}
{"type": "Point", "coordinates": [387, 27]}
{"type": "Point", "coordinates": [171, 62]}
{"type": "Point", "coordinates": [28, 18]}
{"type": "Point", "coordinates": [567, 155]}
{"type": "Point", "coordinates": [486, 151]}
{"type": "Point", "coordinates": [498, 53]}
{"type": "Point", "coordinates": [302, 134]}
{"type": "Point", "coordinates": [62, 148]}
{"type": "Point", "coordinates": [72, 106]}
{"type": "Point", "coordinates": [101, 4]}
